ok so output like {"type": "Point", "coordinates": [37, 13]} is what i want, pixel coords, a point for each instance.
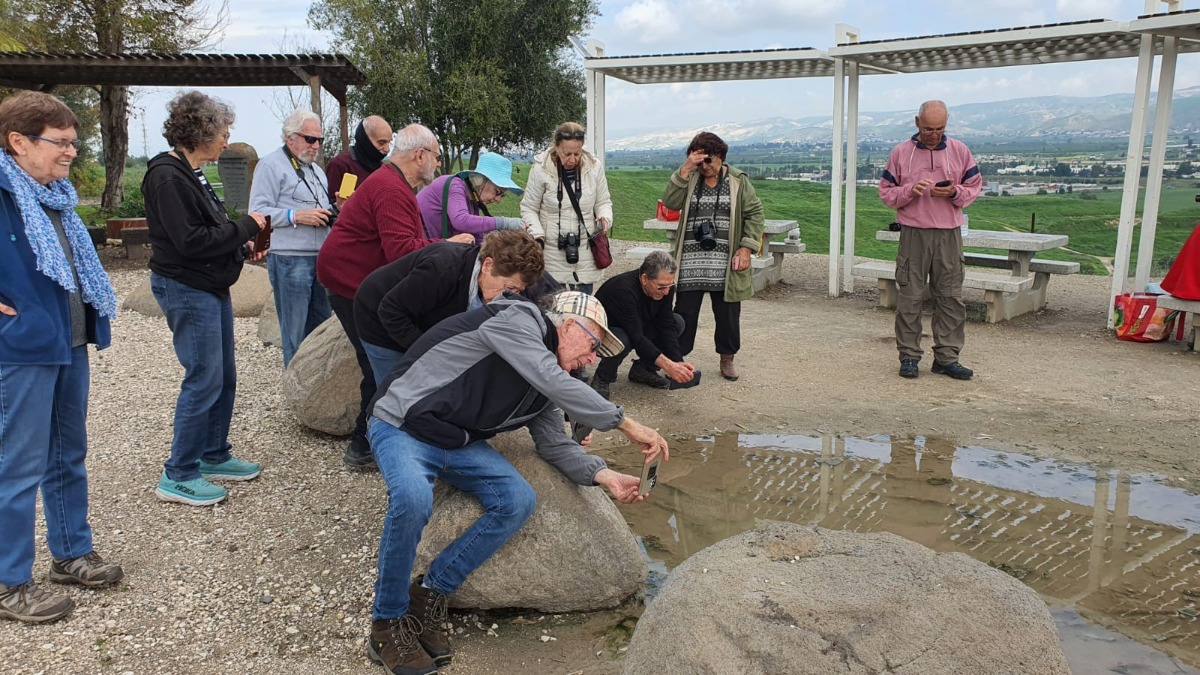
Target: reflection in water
{"type": "Point", "coordinates": [1123, 550]}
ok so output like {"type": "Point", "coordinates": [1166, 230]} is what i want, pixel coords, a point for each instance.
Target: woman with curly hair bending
{"type": "Point", "coordinates": [197, 255]}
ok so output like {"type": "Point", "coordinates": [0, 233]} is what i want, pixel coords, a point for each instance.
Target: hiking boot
{"type": "Point", "coordinates": [956, 370]}
{"type": "Point", "coordinates": [647, 376]}
{"type": "Point", "coordinates": [601, 386]}
{"type": "Point", "coordinates": [88, 570]}
{"type": "Point", "coordinates": [231, 469]}
{"type": "Point", "coordinates": [727, 370]}
{"type": "Point", "coordinates": [394, 646]}
{"type": "Point", "coordinates": [357, 456]}
{"type": "Point", "coordinates": [429, 607]}
{"type": "Point", "coordinates": [908, 368]}
{"type": "Point", "coordinates": [30, 602]}
{"type": "Point", "coordinates": [195, 492]}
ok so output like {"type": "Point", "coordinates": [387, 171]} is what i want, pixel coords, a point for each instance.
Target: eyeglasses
{"type": "Point", "coordinates": [500, 192]}
{"type": "Point", "coordinates": [436, 155]}
{"type": "Point", "coordinates": [571, 135]}
{"type": "Point", "coordinates": [61, 145]}
{"type": "Point", "coordinates": [595, 340]}
{"type": "Point", "coordinates": [311, 139]}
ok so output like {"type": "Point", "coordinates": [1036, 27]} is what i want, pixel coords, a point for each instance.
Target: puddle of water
{"type": "Point", "coordinates": [1120, 550]}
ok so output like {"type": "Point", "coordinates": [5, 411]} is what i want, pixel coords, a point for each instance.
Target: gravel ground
{"type": "Point", "coordinates": [279, 577]}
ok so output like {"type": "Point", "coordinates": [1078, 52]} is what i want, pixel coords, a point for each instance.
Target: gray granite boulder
{"type": "Point", "coordinates": [248, 295]}
{"type": "Point", "coordinates": [575, 553]}
{"type": "Point", "coordinates": [786, 598]}
{"type": "Point", "coordinates": [320, 385]}
{"type": "Point", "coordinates": [268, 324]}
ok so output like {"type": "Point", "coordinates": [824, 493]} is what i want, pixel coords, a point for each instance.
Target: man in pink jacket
{"type": "Point", "coordinates": [929, 180]}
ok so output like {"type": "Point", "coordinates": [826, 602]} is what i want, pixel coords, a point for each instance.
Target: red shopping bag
{"type": "Point", "coordinates": [663, 213]}
{"type": "Point", "coordinates": [1138, 318]}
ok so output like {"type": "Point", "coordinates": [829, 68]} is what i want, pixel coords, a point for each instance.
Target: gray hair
{"type": "Point", "coordinates": [658, 262]}
{"type": "Point", "coordinates": [412, 138]}
{"type": "Point", "coordinates": [292, 124]}
{"type": "Point", "coordinates": [194, 119]}
{"type": "Point", "coordinates": [932, 104]}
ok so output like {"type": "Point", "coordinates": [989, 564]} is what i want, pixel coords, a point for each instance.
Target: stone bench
{"type": "Point", "coordinates": [640, 252]}
{"type": "Point", "coordinates": [999, 291]}
{"type": "Point", "coordinates": [135, 240]}
{"type": "Point", "coordinates": [1037, 265]}
{"type": "Point", "coordinates": [1191, 307]}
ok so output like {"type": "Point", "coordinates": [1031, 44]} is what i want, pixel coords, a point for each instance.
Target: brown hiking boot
{"type": "Point", "coordinates": [394, 646]}
{"type": "Point", "coordinates": [727, 370]}
{"type": "Point", "coordinates": [429, 607]}
{"type": "Point", "coordinates": [88, 570]}
{"type": "Point", "coordinates": [30, 602]}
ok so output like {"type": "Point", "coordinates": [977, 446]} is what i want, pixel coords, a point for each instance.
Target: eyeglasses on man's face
{"type": "Point", "coordinates": [436, 155]}
{"type": "Point", "coordinates": [61, 145]}
{"type": "Point", "coordinates": [595, 340]}
{"type": "Point", "coordinates": [571, 135]}
{"type": "Point", "coordinates": [311, 140]}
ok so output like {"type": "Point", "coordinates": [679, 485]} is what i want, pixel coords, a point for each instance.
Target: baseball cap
{"type": "Point", "coordinates": [588, 307]}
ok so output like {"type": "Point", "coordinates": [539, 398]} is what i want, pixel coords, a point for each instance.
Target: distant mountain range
{"type": "Point", "coordinates": [1022, 118]}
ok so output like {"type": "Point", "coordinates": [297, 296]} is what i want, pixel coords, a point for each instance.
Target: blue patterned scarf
{"type": "Point", "coordinates": [52, 261]}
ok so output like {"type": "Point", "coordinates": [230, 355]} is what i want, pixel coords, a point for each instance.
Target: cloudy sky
{"type": "Point", "coordinates": [628, 27]}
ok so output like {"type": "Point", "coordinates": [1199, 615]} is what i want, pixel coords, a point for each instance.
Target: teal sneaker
{"type": "Point", "coordinates": [231, 469]}
{"type": "Point", "coordinates": [196, 492]}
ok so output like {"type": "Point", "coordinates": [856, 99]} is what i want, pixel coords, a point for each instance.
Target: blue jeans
{"type": "Point", "coordinates": [409, 467]}
{"type": "Point", "coordinates": [202, 329]}
{"type": "Point", "coordinates": [301, 303]}
{"type": "Point", "coordinates": [383, 361]}
{"type": "Point", "coordinates": [43, 442]}
{"type": "Point", "coordinates": [582, 288]}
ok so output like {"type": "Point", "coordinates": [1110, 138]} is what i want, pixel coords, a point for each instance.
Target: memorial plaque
{"type": "Point", "coordinates": [236, 167]}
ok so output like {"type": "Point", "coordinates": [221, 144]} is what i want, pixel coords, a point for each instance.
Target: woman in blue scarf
{"type": "Point", "coordinates": [55, 299]}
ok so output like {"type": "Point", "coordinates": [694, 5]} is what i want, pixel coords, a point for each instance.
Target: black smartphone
{"type": "Point", "coordinates": [942, 183]}
{"type": "Point", "coordinates": [649, 477]}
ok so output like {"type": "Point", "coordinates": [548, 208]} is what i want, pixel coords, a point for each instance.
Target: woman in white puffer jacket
{"type": "Point", "coordinates": [550, 216]}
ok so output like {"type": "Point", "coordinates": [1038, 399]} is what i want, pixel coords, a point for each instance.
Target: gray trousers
{"type": "Point", "coordinates": [932, 259]}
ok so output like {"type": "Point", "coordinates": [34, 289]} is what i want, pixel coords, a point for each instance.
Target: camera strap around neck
{"type": "Point", "coordinates": [700, 188]}
{"type": "Point", "coordinates": [573, 195]}
{"type": "Point", "coordinates": [298, 167]}
{"type": "Point", "coordinates": [473, 195]}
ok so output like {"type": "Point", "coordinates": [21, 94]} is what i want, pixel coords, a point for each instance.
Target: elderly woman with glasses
{"type": "Point", "coordinates": [720, 227]}
{"type": "Point", "coordinates": [197, 255]}
{"type": "Point", "coordinates": [566, 201]}
{"type": "Point", "coordinates": [453, 204]}
{"type": "Point", "coordinates": [55, 299]}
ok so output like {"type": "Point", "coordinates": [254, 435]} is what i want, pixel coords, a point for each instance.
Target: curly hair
{"type": "Point", "coordinates": [514, 252]}
{"type": "Point", "coordinates": [709, 143]}
{"type": "Point", "coordinates": [194, 119]}
{"type": "Point", "coordinates": [30, 113]}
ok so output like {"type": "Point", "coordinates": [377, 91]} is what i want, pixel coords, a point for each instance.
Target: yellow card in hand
{"type": "Point", "coordinates": [349, 182]}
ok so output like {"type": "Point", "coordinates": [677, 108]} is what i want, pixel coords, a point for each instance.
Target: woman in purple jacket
{"type": "Point", "coordinates": [55, 299]}
{"type": "Point", "coordinates": [457, 203]}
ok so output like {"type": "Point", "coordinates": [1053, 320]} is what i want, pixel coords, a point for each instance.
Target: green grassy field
{"type": "Point", "coordinates": [1091, 224]}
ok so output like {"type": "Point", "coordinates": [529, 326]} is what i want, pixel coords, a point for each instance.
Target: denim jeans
{"type": "Point", "coordinates": [409, 468]}
{"type": "Point", "coordinates": [300, 302]}
{"type": "Point", "coordinates": [202, 329]}
{"type": "Point", "coordinates": [383, 361]}
{"type": "Point", "coordinates": [43, 442]}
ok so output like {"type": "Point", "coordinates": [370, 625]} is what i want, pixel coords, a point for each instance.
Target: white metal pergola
{"type": "Point", "coordinates": [1166, 34]}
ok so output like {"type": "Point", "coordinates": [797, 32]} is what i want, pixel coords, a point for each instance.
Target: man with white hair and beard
{"type": "Point", "coordinates": [291, 188]}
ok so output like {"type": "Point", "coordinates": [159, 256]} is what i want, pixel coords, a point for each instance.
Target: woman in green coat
{"type": "Point", "coordinates": [720, 227]}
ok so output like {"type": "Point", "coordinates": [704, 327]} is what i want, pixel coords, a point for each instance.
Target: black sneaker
{"type": "Point", "coordinates": [600, 385]}
{"type": "Point", "coordinates": [956, 370]}
{"type": "Point", "coordinates": [908, 368]}
{"type": "Point", "coordinates": [643, 375]}
{"type": "Point", "coordinates": [358, 455]}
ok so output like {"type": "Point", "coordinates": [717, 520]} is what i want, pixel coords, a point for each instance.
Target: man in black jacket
{"type": "Point", "coordinates": [638, 304]}
{"type": "Point", "coordinates": [398, 302]}
{"type": "Point", "coordinates": [498, 368]}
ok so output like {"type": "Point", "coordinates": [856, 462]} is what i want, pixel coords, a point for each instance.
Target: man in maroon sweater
{"type": "Point", "coordinates": [380, 223]}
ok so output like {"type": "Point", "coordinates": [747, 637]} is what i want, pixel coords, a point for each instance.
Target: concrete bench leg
{"type": "Point", "coordinates": [888, 293]}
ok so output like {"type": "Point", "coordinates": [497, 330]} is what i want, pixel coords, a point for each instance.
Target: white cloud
{"type": "Point", "coordinates": [1076, 10]}
{"type": "Point", "coordinates": [649, 21]}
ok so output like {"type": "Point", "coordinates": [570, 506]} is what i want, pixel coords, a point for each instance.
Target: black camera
{"type": "Point", "coordinates": [569, 242]}
{"type": "Point", "coordinates": [705, 233]}
{"type": "Point", "coordinates": [333, 214]}
{"type": "Point", "coordinates": [894, 226]}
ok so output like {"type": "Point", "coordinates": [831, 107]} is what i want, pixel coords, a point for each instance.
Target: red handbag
{"type": "Point", "coordinates": [663, 213]}
{"type": "Point", "coordinates": [601, 251]}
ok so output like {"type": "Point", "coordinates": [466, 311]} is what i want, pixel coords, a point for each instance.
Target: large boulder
{"type": "Point", "coordinates": [268, 324]}
{"type": "Point", "coordinates": [575, 553]}
{"type": "Point", "coordinates": [249, 294]}
{"type": "Point", "coordinates": [786, 598]}
{"type": "Point", "coordinates": [321, 382]}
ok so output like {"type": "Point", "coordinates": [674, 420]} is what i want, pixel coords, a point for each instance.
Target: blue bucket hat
{"type": "Point", "coordinates": [496, 168]}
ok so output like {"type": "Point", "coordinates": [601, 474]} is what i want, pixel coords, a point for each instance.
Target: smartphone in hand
{"type": "Point", "coordinates": [649, 477]}
{"type": "Point", "coordinates": [942, 183]}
